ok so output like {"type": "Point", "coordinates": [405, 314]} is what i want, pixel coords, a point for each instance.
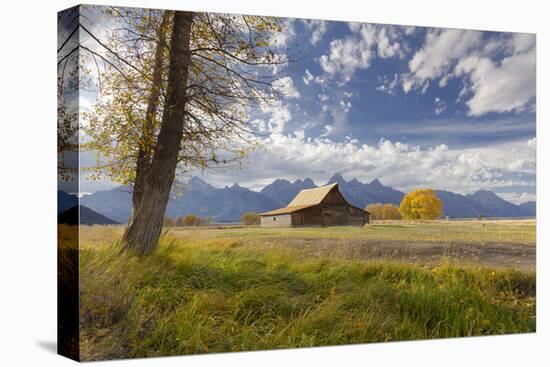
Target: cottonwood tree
{"type": "Point", "coordinates": [182, 101]}
{"type": "Point", "coordinates": [421, 204]}
{"type": "Point", "coordinates": [67, 92]}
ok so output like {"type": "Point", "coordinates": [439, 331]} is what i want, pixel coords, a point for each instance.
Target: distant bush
{"type": "Point", "coordinates": [179, 221]}
{"type": "Point", "coordinates": [383, 211]}
{"type": "Point", "coordinates": [205, 221]}
{"type": "Point", "coordinates": [250, 218]}
{"type": "Point", "coordinates": [169, 222]}
{"type": "Point", "coordinates": [192, 220]}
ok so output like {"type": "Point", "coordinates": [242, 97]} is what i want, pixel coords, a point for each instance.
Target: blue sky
{"type": "Point", "coordinates": [414, 107]}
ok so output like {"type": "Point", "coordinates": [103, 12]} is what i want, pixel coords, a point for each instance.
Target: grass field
{"type": "Point", "coordinates": [232, 289]}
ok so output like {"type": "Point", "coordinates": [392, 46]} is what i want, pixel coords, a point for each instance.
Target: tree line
{"type": "Point", "coordinates": [193, 220]}
{"type": "Point", "coordinates": [417, 204]}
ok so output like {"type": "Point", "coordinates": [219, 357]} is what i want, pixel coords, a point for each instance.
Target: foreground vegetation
{"type": "Point", "coordinates": [201, 294]}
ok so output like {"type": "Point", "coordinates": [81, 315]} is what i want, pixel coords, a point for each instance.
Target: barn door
{"type": "Point", "coordinates": [325, 217]}
{"type": "Point", "coordinates": [341, 217]}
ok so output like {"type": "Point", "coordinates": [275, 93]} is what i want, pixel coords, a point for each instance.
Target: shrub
{"type": "Point", "coordinates": [169, 222]}
{"type": "Point", "coordinates": [250, 218]}
{"type": "Point", "coordinates": [205, 221]}
{"type": "Point", "coordinates": [383, 211]}
{"type": "Point", "coordinates": [191, 220]}
{"type": "Point", "coordinates": [179, 221]}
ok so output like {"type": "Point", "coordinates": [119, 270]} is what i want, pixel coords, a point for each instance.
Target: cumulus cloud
{"type": "Point", "coordinates": [505, 87]}
{"type": "Point", "coordinates": [442, 47]}
{"type": "Point", "coordinates": [355, 52]}
{"type": "Point", "coordinates": [397, 164]}
{"type": "Point", "coordinates": [286, 35]}
{"type": "Point", "coordinates": [285, 86]}
{"type": "Point", "coordinates": [492, 83]}
{"type": "Point", "coordinates": [345, 57]}
{"type": "Point", "coordinates": [317, 28]}
{"type": "Point", "coordinates": [273, 118]}
{"type": "Point", "coordinates": [388, 84]}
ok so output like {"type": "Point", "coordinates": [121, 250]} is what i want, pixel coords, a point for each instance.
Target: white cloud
{"type": "Point", "coordinates": [345, 57]}
{"type": "Point", "coordinates": [388, 85]}
{"type": "Point", "coordinates": [308, 77]}
{"type": "Point", "coordinates": [346, 105]}
{"type": "Point", "coordinates": [523, 42]}
{"type": "Point", "coordinates": [442, 47]}
{"type": "Point", "coordinates": [517, 197]}
{"type": "Point", "coordinates": [287, 33]}
{"type": "Point", "coordinates": [490, 84]}
{"type": "Point", "coordinates": [505, 87]}
{"type": "Point", "coordinates": [355, 52]}
{"type": "Point", "coordinates": [387, 48]}
{"type": "Point", "coordinates": [440, 106]}
{"type": "Point", "coordinates": [274, 118]}
{"type": "Point", "coordinates": [285, 86]}
{"type": "Point", "coordinates": [396, 164]}
{"type": "Point", "coordinates": [317, 28]}
{"type": "Point", "coordinates": [323, 97]}
{"type": "Point", "coordinates": [408, 30]}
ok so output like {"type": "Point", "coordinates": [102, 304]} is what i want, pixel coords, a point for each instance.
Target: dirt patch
{"type": "Point", "coordinates": [497, 255]}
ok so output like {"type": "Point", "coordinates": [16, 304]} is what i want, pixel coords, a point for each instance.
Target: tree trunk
{"type": "Point", "coordinates": [144, 231]}
{"type": "Point", "coordinates": [144, 151]}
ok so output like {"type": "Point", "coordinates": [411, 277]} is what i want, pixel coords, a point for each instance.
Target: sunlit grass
{"type": "Point", "coordinates": [203, 292]}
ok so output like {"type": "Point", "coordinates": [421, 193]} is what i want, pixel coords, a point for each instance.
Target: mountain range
{"type": "Point", "coordinates": [229, 203]}
{"type": "Point", "coordinates": [87, 217]}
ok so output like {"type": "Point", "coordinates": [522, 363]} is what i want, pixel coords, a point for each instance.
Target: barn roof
{"type": "Point", "coordinates": [286, 210]}
{"type": "Point", "coordinates": [312, 196]}
{"type": "Point", "coordinates": [305, 199]}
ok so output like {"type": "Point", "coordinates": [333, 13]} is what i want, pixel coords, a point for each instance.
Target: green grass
{"type": "Point", "coordinates": [212, 294]}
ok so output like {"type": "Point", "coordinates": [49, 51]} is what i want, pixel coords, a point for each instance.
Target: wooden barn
{"type": "Point", "coordinates": [321, 206]}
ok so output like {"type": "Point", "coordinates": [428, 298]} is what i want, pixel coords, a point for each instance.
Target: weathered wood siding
{"type": "Point", "coordinates": [357, 217]}
{"type": "Point", "coordinates": [334, 197]}
{"type": "Point", "coordinates": [312, 216]}
{"type": "Point", "coordinates": [334, 215]}
{"type": "Point", "coordinates": [283, 220]}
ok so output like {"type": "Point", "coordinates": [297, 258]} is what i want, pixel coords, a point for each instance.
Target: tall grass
{"type": "Point", "coordinates": [218, 296]}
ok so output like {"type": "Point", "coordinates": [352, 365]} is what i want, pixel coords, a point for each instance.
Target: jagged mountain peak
{"type": "Point", "coordinates": [198, 182]}
{"type": "Point", "coordinates": [336, 178]}
{"type": "Point", "coordinates": [376, 182]}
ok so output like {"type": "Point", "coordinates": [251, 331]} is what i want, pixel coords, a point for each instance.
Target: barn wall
{"type": "Point", "coordinates": [357, 220]}
{"type": "Point", "coordinates": [357, 217]}
{"type": "Point", "coordinates": [334, 215]}
{"type": "Point", "coordinates": [312, 216]}
{"type": "Point", "coordinates": [282, 220]}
